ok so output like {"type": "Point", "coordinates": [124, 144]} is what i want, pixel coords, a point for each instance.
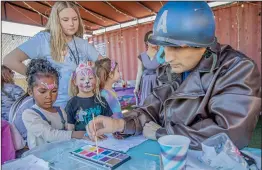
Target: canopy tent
{"type": "Point", "coordinates": [96, 15]}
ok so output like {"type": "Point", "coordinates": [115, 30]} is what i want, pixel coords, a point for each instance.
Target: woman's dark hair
{"type": "Point", "coordinates": [40, 68]}
{"type": "Point", "coordinates": [103, 69]}
{"type": "Point", "coordinates": [147, 36]}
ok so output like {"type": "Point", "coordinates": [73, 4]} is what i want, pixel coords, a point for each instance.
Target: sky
{"type": "Point", "coordinates": [20, 29]}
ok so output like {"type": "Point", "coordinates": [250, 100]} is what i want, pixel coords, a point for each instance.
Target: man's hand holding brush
{"type": "Point", "coordinates": [103, 126]}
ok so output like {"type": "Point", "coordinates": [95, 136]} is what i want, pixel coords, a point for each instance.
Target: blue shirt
{"type": "Point", "coordinates": [39, 47]}
{"type": "Point", "coordinates": [112, 100]}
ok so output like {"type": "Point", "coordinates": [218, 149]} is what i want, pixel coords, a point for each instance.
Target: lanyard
{"type": "Point", "coordinates": [76, 58]}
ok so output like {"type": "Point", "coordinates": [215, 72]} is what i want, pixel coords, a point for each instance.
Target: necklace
{"type": "Point", "coordinates": [76, 58]}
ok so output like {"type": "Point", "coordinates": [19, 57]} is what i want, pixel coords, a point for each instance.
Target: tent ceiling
{"type": "Point", "coordinates": [95, 14]}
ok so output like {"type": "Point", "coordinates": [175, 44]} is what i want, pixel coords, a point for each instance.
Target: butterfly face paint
{"type": "Point", "coordinates": [49, 86]}
{"type": "Point", "coordinates": [46, 86]}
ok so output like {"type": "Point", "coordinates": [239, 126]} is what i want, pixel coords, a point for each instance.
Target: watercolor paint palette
{"type": "Point", "coordinates": [105, 157]}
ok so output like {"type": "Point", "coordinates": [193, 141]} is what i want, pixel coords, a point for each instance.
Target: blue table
{"type": "Point", "coordinates": [58, 154]}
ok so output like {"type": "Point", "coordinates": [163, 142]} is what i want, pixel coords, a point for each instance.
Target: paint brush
{"type": "Point", "coordinates": [95, 135]}
{"type": "Point", "coordinates": [151, 154]}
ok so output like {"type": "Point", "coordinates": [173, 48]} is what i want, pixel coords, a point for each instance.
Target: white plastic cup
{"type": "Point", "coordinates": [174, 151]}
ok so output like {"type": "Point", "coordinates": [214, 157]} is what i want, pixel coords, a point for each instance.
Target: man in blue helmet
{"type": "Point", "coordinates": [205, 88]}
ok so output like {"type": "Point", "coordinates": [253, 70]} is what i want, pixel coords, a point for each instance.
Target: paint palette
{"type": "Point", "coordinates": [106, 157]}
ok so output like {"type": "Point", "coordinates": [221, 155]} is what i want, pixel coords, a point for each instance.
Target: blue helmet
{"type": "Point", "coordinates": [184, 23]}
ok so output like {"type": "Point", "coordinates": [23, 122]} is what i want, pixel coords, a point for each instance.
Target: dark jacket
{"type": "Point", "coordinates": [222, 94]}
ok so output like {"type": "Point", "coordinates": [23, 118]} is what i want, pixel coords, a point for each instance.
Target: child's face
{"type": "Point", "coordinates": [85, 80]}
{"type": "Point", "coordinates": [45, 92]}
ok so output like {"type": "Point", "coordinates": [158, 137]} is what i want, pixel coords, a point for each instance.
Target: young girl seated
{"type": "Point", "coordinates": [108, 73]}
{"type": "Point", "coordinates": [86, 99]}
{"type": "Point", "coordinates": [44, 122]}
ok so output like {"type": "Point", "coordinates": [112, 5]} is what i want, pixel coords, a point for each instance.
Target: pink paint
{"type": "Point", "coordinates": [84, 69]}
{"type": "Point", "coordinates": [85, 85]}
{"type": "Point", "coordinates": [82, 85]}
{"type": "Point", "coordinates": [49, 86]}
{"type": "Point", "coordinates": [86, 72]}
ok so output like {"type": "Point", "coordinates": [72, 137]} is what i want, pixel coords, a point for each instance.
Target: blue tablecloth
{"type": "Point", "coordinates": [58, 154]}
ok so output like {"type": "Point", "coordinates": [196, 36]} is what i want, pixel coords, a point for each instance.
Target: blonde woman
{"type": "Point", "coordinates": [61, 43]}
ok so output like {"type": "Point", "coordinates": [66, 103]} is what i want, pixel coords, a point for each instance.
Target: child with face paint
{"type": "Point", "coordinates": [86, 99]}
{"type": "Point", "coordinates": [45, 122]}
{"type": "Point", "coordinates": [108, 73]}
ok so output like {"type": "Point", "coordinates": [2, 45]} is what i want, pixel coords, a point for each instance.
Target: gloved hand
{"type": "Point", "coordinates": [149, 130]}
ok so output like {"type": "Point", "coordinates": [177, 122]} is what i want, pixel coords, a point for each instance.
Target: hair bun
{"type": "Point", "coordinates": [37, 66]}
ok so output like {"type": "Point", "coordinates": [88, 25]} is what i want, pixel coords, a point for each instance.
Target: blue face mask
{"type": "Point", "coordinates": [160, 56]}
